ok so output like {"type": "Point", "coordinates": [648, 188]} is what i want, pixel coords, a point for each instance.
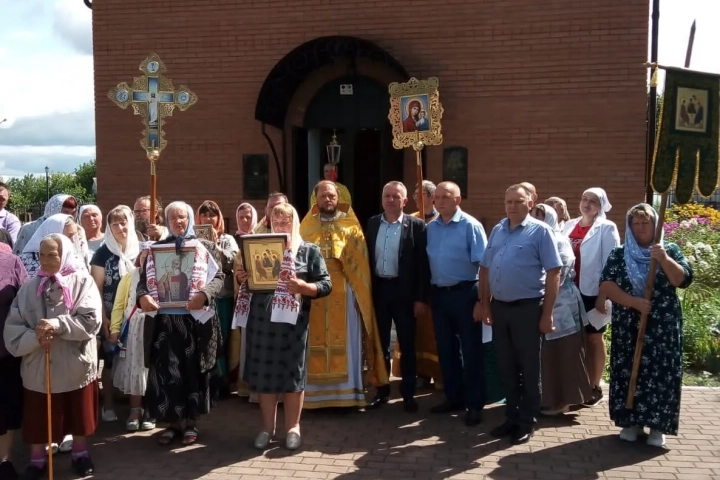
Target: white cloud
{"type": "Point", "coordinates": [73, 23]}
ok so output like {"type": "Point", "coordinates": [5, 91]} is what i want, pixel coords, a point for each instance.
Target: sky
{"type": "Point", "coordinates": [46, 76]}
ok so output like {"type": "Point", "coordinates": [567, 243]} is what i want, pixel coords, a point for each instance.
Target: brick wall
{"type": "Point", "coordinates": [551, 92]}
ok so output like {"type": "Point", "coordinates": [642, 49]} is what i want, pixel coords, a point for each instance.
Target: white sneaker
{"type": "Point", "coordinates": [54, 447]}
{"type": "Point", "coordinates": [109, 416]}
{"type": "Point", "coordinates": [656, 439]}
{"type": "Point", "coordinates": [630, 434]}
{"type": "Point", "coordinates": [66, 444]}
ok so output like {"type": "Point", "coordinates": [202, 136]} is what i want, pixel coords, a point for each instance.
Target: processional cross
{"type": "Point", "coordinates": [154, 98]}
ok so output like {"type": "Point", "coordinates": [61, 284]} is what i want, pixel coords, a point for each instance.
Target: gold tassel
{"type": "Point", "coordinates": [654, 78]}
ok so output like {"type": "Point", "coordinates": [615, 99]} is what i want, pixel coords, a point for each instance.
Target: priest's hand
{"type": "Point", "coordinates": [197, 302]}
{"type": "Point", "coordinates": [148, 304]}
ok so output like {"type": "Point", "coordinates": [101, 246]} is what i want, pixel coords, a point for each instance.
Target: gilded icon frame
{"type": "Point", "coordinates": [424, 96]}
{"type": "Point", "coordinates": [263, 277]}
{"type": "Point", "coordinates": [163, 254]}
{"type": "Point", "coordinates": [204, 232]}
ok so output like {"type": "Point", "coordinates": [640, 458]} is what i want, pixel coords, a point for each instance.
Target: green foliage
{"type": "Point", "coordinates": [32, 190]}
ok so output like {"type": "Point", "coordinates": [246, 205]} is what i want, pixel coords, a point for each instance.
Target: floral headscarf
{"type": "Point", "coordinates": [637, 258]}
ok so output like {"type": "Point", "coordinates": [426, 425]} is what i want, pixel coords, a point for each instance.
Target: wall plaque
{"type": "Point", "coordinates": [256, 179]}
{"type": "Point", "coordinates": [455, 167]}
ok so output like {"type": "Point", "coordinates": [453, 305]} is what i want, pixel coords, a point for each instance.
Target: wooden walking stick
{"type": "Point", "coordinates": [48, 393]}
{"type": "Point", "coordinates": [660, 177]}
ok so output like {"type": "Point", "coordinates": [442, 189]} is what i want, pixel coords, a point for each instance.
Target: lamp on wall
{"type": "Point", "coordinates": [333, 150]}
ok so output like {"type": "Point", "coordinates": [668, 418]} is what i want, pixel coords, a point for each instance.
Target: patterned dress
{"type": "Point", "coordinates": [276, 353]}
{"type": "Point", "coordinates": [659, 386]}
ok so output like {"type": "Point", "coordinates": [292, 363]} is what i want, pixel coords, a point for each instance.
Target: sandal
{"type": "Point", "coordinates": [167, 436]}
{"type": "Point", "coordinates": [190, 436]}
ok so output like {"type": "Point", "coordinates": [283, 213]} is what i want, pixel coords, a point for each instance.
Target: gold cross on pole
{"type": "Point", "coordinates": [154, 98]}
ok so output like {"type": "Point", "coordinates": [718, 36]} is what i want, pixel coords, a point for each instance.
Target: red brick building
{"type": "Point", "coordinates": [551, 92]}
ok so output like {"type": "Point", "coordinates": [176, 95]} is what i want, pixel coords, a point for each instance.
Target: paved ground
{"type": "Point", "coordinates": [391, 444]}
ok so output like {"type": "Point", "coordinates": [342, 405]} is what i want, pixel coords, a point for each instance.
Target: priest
{"type": "Point", "coordinates": [344, 354]}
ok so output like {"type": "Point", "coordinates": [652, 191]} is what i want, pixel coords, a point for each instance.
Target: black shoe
{"type": "Point", "coordinates": [473, 417]}
{"type": "Point", "coordinates": [7, 471]}
{"type": "Point", "coordinates": [596, 397]}
{"type": "Point", "coordinates": [410, 405]}
{"type": "Point", "coordinates": [522, 435]}
{"type": "Point", "coordinates": [447, 407]}
{"type": "Point", "coordinates": [83, 466]}
{"type": "Point", "coordinates": [33, 473]}
{"type": "Point", "coordinates": [504, 430]}
{"type": "Point", "coordinates": [377, 402]}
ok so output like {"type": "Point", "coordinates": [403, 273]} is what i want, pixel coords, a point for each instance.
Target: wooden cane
{"type": "Point", "coordinates": [48, 390]}
{"type": "Point", "coordinates": [650, 284]}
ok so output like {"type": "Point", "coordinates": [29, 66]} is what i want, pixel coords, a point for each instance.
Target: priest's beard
{"type": "Point", "coordinates": [141, 225]}
{"type": "Point", "coordinates": [328, 210]}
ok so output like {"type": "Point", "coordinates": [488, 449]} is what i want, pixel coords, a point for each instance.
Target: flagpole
{"type": "Point", "coordinates": [650, 284]}
{"type": "Point", "coordinates": [652, 116]}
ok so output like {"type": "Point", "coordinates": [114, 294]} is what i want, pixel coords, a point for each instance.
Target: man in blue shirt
{"type": "Point", "coordinates": [521, 272]}
{"type": "Point", "coordinates": [455, 245]}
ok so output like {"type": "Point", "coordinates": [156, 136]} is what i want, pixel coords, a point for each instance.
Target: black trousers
{"type": "Point", "coordinates": [516, 332]}
{"type": "Point", "coordinates": [389, 308]}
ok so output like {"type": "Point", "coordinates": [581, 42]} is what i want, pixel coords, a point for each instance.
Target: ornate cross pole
{"type": "Point", "coordinates": [153, 97]}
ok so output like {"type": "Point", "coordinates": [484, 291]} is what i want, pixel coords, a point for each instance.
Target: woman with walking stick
{"type": "Point", "coordinates": [659, 383]}
{"type": "Point", "coordinates": [60, 308]}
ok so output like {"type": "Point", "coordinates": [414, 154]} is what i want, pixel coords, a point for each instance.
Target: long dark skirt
{"type": "Point", "coordinates": [177, 388]}
{"type": "Point", "coordinates": [276, 353]}
{"type": "Point", "coordinates": [565, 378]}
{"type": "Point", "coordinates": [11, 394]}
{"type": "Point", "coordinates": [73, 413]}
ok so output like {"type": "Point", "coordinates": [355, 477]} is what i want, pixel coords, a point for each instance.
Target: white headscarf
{"type": "Point", "coordinates": [604, 202]}
{"type": "Point", "coordinates": [563, 243]}
{"type": "Point", "coordinates": [87, 207]}
{"type": "Point", "coordinates": [295, 239]}
{"type": "Point", "coordinates": [132, 245]}
{"type": "Point", "coordinates": [53, 224]}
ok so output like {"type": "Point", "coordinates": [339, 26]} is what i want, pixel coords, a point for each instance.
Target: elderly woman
{"type": "Point", "coordinates": [184, 348]}
{"type": "Point", "coordinates": [593, 237]}
{"type": "Point", "coordinates": [565, 378]}
{"type": "Point", "coordinates": [659, 383]}
{"type": "Point", "coordinates": [12, 276]}
{"type": "Point", "coordinates": [209, 213]}
{"type": "Point", "coordinates": [91, 221]}
{"type": "Point", "coordinates": [59, 223]}
{"type": "Point", "coordinates": [59, 203]}
{"type": "Point", "coordinates": [60, 311]}
{"type": "Point", "coordinates": [277, 336]}
{"type": "Point", "coordinates": [111, 262]}
{"type": "Point", "coordinates": [560, 207]}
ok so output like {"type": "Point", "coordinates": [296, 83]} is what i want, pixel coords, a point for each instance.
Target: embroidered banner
{"type": "Point", "coordinates": [686, 149]}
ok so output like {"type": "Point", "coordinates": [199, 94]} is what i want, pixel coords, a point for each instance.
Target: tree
{"type": "Point", "coordinates": [32, 190]}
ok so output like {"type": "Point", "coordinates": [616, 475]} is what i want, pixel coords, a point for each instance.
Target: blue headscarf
{"type": "Point", "coordinates": [189, 232]}
{"type": "Point", "coordinates": [637, 258]}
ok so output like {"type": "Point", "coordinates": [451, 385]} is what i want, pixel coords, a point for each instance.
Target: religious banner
{"type": "Point", "coordinates": [415, 112]}
{"type": "Point", "coordinates": [686, 148]}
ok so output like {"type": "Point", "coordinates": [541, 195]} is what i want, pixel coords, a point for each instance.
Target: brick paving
{"type": "Point", "coordinates": [391, 444]}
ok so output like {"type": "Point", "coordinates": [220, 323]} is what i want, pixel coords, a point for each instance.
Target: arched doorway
{"type": "Point", "coordinates": [367, 158]}
{"type": "Point", "coordinates": [302, 97]}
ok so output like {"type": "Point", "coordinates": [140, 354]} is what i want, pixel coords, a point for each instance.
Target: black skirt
{"type": "Point", "coordinates": [11, 394]}
{"type": "Point", "coordinates": [275, 353]}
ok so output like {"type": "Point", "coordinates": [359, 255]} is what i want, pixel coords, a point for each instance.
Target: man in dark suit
{"type": "Point", "coordinates": [400, 284]}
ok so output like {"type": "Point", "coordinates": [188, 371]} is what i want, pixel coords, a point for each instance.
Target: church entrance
{"type": "Point", "coordinates": [355, 109]}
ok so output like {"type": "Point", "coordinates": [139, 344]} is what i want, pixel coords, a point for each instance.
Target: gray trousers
{"type": "Point", "coordinates": [516, 333]}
